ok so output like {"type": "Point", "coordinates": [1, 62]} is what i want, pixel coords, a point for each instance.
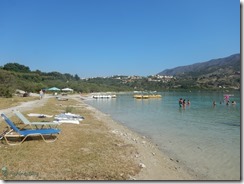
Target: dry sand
{"type": "Point", "coordinates": [155, 164]}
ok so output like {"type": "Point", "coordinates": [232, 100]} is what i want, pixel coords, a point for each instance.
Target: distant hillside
{"type": "Point", "coordinates": [219, 73]}
{"type": "Point", "coordinates": [227, 64]}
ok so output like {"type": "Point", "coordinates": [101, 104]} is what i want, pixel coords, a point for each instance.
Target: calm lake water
{"type": "Point", "coordinates": [205, 139]}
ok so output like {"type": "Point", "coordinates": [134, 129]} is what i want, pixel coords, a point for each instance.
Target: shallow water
{"type": "Point", "coordinates": [203, 138]}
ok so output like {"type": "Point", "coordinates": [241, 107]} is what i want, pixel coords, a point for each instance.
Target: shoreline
{"type": "Point", "coordinates": [201, 164]}
{"type": "Point", "coordinates": [155, 164]}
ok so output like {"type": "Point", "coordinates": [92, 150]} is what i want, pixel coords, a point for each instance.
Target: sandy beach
{"type": "Point", "coordinates": [153, 163]}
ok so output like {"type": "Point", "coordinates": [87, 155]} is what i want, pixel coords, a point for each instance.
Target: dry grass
{"type": "Point", "coordinates": [16, 100]}
{"type": "Point", "coordinates": [87, 151]}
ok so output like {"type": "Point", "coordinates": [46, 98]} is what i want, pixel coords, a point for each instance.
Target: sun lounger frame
{"type": "Point", "coordinates": [35, 124]}
{"type": "Point", "coordinates": [25, 134]}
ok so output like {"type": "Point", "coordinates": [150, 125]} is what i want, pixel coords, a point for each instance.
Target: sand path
{"type": "Point", "coordinates": [24, 106]}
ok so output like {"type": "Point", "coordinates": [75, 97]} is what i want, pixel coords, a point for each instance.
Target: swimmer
{"type": "Point", "coordinates": [188, 102]}
{"type": "Point", "coordinates": [180, 102]}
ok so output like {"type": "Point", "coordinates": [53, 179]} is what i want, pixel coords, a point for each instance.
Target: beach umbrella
{"type": "Point", "coordinates": [53, 89]}
{"type": "Point", "coordinates": [67, 89]}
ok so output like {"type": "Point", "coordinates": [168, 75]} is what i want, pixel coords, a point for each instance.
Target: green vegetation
{"type": "Point", "coordinates": [16, 76]}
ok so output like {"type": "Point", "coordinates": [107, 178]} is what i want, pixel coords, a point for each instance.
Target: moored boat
{"type": "Point", "coordinates": [104, 96]}
{"type": "Point", "coordinates": [141, 96]}
{"type": "Point", "coordinates": [146, 96]}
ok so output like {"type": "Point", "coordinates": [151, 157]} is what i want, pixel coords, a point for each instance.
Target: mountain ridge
{"type": "Point", "coordinates": [232, 61]}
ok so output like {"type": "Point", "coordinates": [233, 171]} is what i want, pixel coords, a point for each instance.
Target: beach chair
{"type": "Point", "coordinates": [15, 132]}
{"type": "Point", "coordinates": [3, 133]}
{"type": "Point", "coordinates": [35, 124]}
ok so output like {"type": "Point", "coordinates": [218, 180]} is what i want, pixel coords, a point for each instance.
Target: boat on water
{"type": "Point", "coordinates": [104, 96]}
{"type": "Point", "coordinates": [141, 96]}
{"type": "Point", "coordinates": [146, 96]}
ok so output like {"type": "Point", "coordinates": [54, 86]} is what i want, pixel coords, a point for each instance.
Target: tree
{"type": "Point", "coordinates": [16, 67]}
{"type": "Point", "coordinates": [77, 77]}
{"type": "Point", "coordinates": [7, 84]}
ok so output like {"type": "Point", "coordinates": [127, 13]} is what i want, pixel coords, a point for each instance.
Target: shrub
{"type": "Point", "coordinates": [6, 92]}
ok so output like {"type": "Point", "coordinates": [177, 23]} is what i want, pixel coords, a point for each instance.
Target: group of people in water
{"type": "Point", "coordinates": [226, 102]}
{"type": "Point", "coordinates": [183, 102]}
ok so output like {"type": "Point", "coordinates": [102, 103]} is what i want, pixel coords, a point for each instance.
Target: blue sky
{"type": "Point", "coordinates": [109, 37]}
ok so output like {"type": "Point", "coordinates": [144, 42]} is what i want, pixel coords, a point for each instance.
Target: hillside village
{"type": "Point", "coordinates": [128, 79]}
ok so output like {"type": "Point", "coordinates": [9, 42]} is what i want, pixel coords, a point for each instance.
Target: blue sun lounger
{"type": "Point", "coordinates": [36, 124]}
{"type": "Point", "coordinates": [26, 133]}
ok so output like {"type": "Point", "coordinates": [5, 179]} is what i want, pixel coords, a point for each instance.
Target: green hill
{"type": "Point", "coordinates": [16, 76]}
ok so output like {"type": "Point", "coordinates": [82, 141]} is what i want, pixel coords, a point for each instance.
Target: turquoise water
{"type": "Point", "coordinates": [205, 139]}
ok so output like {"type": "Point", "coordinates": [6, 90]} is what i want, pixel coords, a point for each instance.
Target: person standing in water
{"type": "Point", "coordinates": [184, 103]}
{"type": "Point", "coordinates": [188, 102]}
{"type": "Point", "coordinates": [180, 102]}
